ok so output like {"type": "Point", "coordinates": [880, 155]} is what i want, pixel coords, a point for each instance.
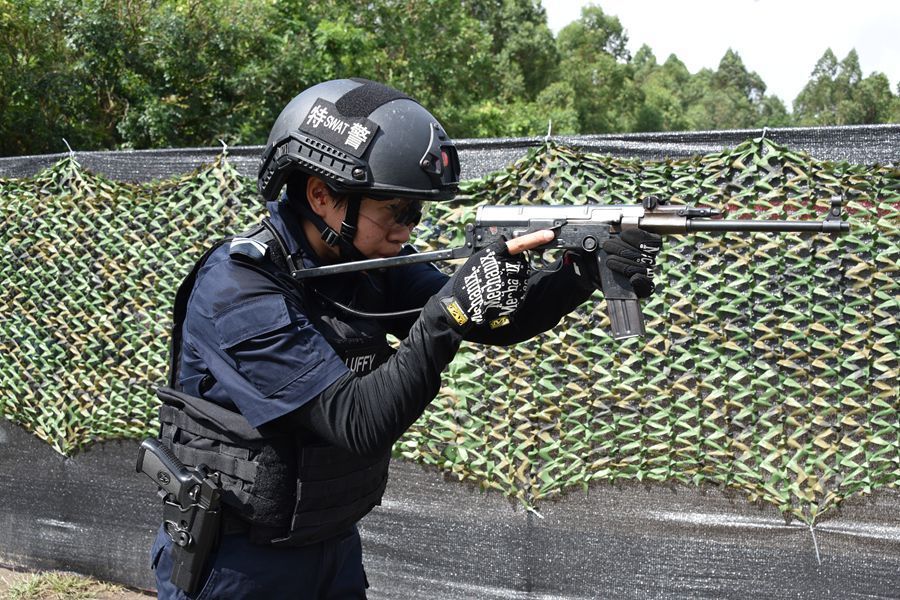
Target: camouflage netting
{"type": "Point", "coordinates": [89, 270]}
{"type": "Point", "coordinates": [770, 364]}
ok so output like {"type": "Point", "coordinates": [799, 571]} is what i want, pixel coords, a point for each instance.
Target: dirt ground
{"type": "Point", "coordinates": [9, 578]}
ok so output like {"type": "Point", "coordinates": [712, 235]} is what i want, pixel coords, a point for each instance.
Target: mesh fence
{"type": "Point", "coordinates": [770, 363]}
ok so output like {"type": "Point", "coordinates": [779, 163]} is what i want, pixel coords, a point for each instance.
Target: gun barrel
{"type": "Point", "coordinates": [828, 226]}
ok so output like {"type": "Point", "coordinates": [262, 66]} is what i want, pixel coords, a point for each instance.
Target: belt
{"type": "Point", "coordinates": [257, 534]}
{"type": "Point", "coordinates": [232, 525]}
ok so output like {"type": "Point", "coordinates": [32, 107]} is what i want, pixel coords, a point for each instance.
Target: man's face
{"type": "Point", "coordinates": [383, 225]}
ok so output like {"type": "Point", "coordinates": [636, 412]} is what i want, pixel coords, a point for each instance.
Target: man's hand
{"type": "Point", "coordinates": [633, 254]}
{"type": "Point", "coordinates": [491, 284]}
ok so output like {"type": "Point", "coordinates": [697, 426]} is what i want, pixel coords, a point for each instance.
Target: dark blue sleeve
{"type": "Point", "coordinates": [250, 330]}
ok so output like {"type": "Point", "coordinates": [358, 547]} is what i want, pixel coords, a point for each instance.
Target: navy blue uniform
{"type": "Point", "coordinates": [252, 343]}
{"type": "Point", "coordinates": [248, 342]}
{"type": "Point", "coordinates": [249, 345]}
{"type": "Point", "coordinates": [330, 569]}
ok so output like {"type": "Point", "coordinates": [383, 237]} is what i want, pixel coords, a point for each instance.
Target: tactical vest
{"type": "Point", "coordinates": [288, 488]}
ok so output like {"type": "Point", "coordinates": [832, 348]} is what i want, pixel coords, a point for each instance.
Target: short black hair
{"type": "Point", "coordinates": [296, 190]}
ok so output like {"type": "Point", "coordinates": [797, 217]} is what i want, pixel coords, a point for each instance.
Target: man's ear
{"type": "Point", "coordinates": [318, 195]}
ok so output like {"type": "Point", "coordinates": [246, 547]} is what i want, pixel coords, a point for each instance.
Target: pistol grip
{"type": "Point", "coordinates": [162, 466]}
{"type": "Point", "coordinates": [622, 304]}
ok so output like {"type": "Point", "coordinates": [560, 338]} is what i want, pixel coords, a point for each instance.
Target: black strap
{"type": "Point", "coordinates": [329, 235]}
{"type": "Point", "coordinates": [278, 251]}
{"type": "Point", "coordinates": [219, 423]}
{"type": "Point", "coordinates": [358, 508]}
{"type": "Point", "coordinates": [351, 220]}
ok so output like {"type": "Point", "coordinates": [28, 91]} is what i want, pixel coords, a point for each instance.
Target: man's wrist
{"type": "Point", "coordinates": [583, 270]}
{"type": "Point", "coordinates": [454, 313]}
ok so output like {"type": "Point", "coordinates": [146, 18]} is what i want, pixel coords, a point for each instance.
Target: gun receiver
{"type": "Point", "coordinates": [190, 511]}
{"type": "Point", "coordinates": [585, 228]}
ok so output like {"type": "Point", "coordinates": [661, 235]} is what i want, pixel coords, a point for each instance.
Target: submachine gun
{"type": "Point", "coordinates": [585, 228]}
{"type": "Point", "coordinates": [191, 509]}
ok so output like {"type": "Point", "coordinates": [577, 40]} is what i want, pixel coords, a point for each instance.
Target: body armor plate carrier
{"type": "Point", "coordinates": [288, 489]}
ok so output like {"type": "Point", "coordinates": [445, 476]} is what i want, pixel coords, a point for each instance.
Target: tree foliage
{"type": "Point", "coordinates": [837, 94]}
{"type": "Point", "coordinates": [595, 63]}
{"type": "Point", "coordinates": [165, 73]}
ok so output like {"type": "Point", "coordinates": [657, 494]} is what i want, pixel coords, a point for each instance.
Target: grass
{"type": "Point", "coordinates": [59, 586]}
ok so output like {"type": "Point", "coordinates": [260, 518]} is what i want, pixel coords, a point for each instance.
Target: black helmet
{"type": "Point", "coordinates": [362, 138]}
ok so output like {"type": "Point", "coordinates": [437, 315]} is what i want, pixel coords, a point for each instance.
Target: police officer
{"type": "Point", "coordinates": [290, 389]}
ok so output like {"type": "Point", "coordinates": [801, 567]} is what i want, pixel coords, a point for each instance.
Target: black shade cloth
{"type": "Point", "coordinates": [862, 144]}
{"type": "Point", "coordinates": [442, 540]}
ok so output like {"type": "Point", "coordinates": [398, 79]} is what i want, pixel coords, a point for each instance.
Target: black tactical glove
{"type": "Point", "coordinates": [633, 254]}
{"type": "Point", "coordinates": [488, 288]}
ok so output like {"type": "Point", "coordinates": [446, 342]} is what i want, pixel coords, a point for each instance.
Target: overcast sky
{"type": "Point", "coordinates": [779, 39]}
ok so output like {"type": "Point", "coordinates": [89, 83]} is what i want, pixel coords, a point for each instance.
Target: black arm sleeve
{"type": "Point", "coordinates": [367, 414]}
{"type": "Point", "coordinates": [552, 293]}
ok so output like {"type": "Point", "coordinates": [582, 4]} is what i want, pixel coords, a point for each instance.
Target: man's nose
{"type": "Point", "coordinates": [399, 232]}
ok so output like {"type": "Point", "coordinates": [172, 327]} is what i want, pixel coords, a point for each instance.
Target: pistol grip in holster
{"type": "Point", "coordinates": [622, 304]}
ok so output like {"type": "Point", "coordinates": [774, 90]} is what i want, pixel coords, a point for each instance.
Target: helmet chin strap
{"type": "Point", "coordinates": [343, 240]}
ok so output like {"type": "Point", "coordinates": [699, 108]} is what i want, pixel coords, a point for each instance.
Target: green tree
{"type": "Point", "coordinates": [818, 95]}
{"type": "Point", "coordinates": [162, 73]}
{"type": "Point", "coordinates": [665, 105]}
{"type": "Point", "coordinates": [894, 115]}
{"type": "Point", "coordinates": [732, 97]}
{"type": "Point", "coordinates": [594, 63]}
{"type": "Point", "coordinates": [436, 52]}
{"type": "Point", "coordinates": [595, 32]}
{"type": "Point", "coordinates": [194, 75]}
{"type": "Point", "coordinates": [43, 98]}
{"type": "Point", "coordinates": [553, 110]}
{"type": "Point", "coordinates": [522, 46]}
{"type": "Point", "coordinates": [771, 112]}
{"type": "Point", "coordinates": [144, 73]}
{"type": "Point", "coordinates": [837, 94]}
